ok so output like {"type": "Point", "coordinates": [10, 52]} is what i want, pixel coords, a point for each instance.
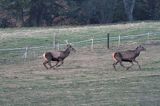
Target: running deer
{"type": "Point", "coordinates": [127, 56]}
{"type": "Point", "coordinates": [57, 56]}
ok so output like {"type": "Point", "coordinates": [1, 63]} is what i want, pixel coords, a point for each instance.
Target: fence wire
{"type": "Point", "coordinates": [14, 55]}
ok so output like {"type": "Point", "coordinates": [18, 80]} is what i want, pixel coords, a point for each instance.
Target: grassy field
{"type": "Point", "coordinates": [87, 77]}
{"type": "Point", "coordinates": [38, 37]}
{"type": "Point", "coordinates": [14, 38]}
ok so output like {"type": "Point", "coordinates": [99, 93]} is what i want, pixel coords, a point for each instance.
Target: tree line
{"type": "Point", "coordinates": [28, 13]}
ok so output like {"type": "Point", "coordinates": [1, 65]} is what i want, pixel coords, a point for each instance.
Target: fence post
{"type": "Point", "coordinates": [58, 45]}
{"type": "Point", "coordinates": [108, 40]}
{"type": "Point", "coordinates": [119, 40]}
{"type": "Point", "coordinates": [92, 44]}
{"type": "Point", "coordinates": [26, 53]}
{"type": "Point", "coordinates": [54, 41]}
{"type": "Point", "coordinates": [148, 35]}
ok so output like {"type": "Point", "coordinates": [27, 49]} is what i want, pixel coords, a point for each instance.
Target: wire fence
{"type": "Point", "coordinates": [14, 55]}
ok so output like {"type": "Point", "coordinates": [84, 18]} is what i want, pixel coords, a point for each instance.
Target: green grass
{"type": "Point", "coordinates": [35, 37]}
{"type": "Point", "coordinates": [82, 81]}
{"type": "Point", "coordinates": [90, 89]}
{"type": "Point", "coordinates": [13, 38]}
{"type": "Point", "coordinates": [24, 42]}
{"type": "Point", "coordinates": [30, 37]}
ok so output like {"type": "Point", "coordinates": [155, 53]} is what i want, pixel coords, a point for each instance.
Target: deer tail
{"type": "Point", "coordinates": [44, 56]}
{"type": "Point", "coordinates": [113, 56]}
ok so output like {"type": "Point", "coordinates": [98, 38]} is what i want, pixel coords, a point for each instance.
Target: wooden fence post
{"type": "Point", "coordinates": [148, 35]}
{"type": "Point", "coordinates": [119, 40]}
{"type": "Point", "coordinates": [108, 40]}
{"type": "Point", "coordinates": [54, 41]}
{"type": "Point", "coordinates": [92, 44]}
{"type": "Point", "coordinates": [26, 53]}
{"type": "Point", "coordinates": [58, 45]}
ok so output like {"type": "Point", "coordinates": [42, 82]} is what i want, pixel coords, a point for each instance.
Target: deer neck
{"type": "Point", "coordinates": [66, 52]}
{"type": "Point", "coordinates": [137, 52]}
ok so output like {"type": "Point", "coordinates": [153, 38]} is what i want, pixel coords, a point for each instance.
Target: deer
{"type": "Point", "coordinates": [57, 56]}
{"type": "Point", "coordinates": [127, 56]}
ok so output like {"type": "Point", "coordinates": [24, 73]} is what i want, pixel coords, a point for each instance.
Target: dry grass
{"type": "Point", "coordinates": [45, 32]}
{"type": "Point", "coordinates": [86, 79]}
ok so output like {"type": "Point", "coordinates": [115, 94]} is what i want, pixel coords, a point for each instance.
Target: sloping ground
{"type": "Point", "coordinates": [87, 78]}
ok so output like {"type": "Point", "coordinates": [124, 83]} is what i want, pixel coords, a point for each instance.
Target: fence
{"type": "Point", "coordinates": [13, 55]}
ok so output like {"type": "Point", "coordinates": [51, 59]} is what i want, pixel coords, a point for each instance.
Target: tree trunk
{"type": "Point", "coordinates": [129, 7]}
{"type": "Point", "coordinates": [20, 18]}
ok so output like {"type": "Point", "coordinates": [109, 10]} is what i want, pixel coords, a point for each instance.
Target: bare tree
{"type": "Point", "coordinates": [129, 7]}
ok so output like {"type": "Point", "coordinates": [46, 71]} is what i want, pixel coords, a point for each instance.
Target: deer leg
{"type": "Point", "coordinates": [122, 64]}
{"type": "Point", "coordinates": [49, 63]}
{"type": "Point", "coordinates": [130, 66]}
{"type": "Point", "coordinates": [44, 63]}
{"type": "Point", "coordinates": [137, 64]}
{"type": "Point", "coordinates": [114, 65]}
{"type": "Point", "coordinates": [60, 64]}
{"type": "Point", "coordinates": [55, 64]}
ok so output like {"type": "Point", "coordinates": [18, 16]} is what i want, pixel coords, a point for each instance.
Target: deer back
{"type": "Point", "coordinates": [129, 54]}
{"type": "Point", "coordinates": [56, 54]}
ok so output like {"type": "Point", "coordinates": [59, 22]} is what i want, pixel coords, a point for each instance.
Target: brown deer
{"type": "Point", "coordinates": [57, 56]}
{"type": "Point", "coordinates": [127, 56]}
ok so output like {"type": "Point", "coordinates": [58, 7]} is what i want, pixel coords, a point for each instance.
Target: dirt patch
{"type": "Point", "coordinates": [86, 75]}
{"type": "Point", "coordinates": [85, 60]}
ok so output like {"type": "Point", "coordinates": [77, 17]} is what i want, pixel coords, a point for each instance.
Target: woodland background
{"type": "Point", "coordinates": [33, 13]}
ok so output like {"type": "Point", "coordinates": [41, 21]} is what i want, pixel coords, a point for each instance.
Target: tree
{"type": "Point", "coordinates": [98, 12]}
{"type": "Point", "coordinates": [154, 9]}
{"type": "Point", "coordinates": [75, 12]}
{"type": "Point", "coordinates": [15, 8]}
{"type": "Point", "coordinates": [129, 7]}
{"type": "Point", "coordinates": [44, 11]}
